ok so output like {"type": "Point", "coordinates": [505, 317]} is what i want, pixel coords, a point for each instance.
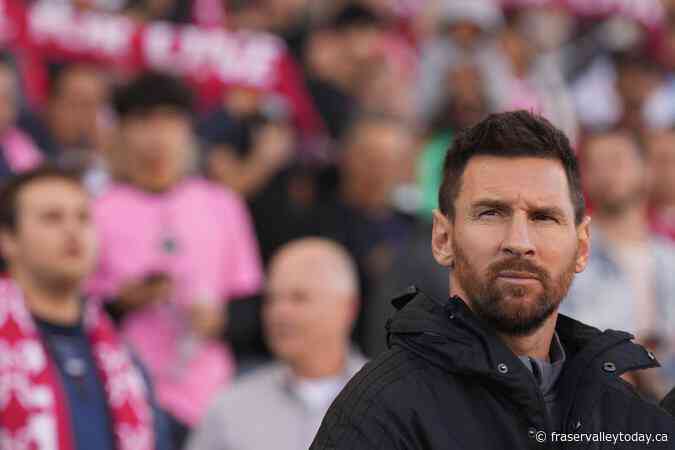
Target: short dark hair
{"type": "Point", "coordinates": [512, 134]}
{"type": "Point", "coordinates": [57, 73]}
{"type": "Point", "coordinates": [151, 90]}
{"type": "Point", "coordinates": [356, 15]}
{"type": "Point", "coordinates": [10, 190]}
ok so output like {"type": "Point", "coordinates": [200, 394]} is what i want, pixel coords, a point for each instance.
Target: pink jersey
{"type": "Point", "coordinates": [20, 151]}
{"type": "Point", "coordinates": [200, 235]}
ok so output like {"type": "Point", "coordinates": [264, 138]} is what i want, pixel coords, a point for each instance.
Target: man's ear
{"type": "Point", "coordinates": [7, 244]}
{"type": "Point", "coordinates": [584, 244]}
{"type": "Point", "coordinates": [441, 240]}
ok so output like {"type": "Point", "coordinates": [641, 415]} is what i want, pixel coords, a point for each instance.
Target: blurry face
{"type": "Point", "coordinates": [375, 163]}
{"type": "Point", "coordinates": [55, 238]}
{"type": "Point", "coordinates": [519, 51]}
{"type": "Point", "coordinates": [156, 148]}
{"type": "Point", "coordinates": [465, 34]}
{"type": "Point", "coordinates": [547, 27]}
{"type": "Point", "coordinates": [303, 314]}
{"type": "Point", "coordinates": [362, 43]}
{"type": "Point", "coordinates": [635, 85]}
{"type": "Point", "coordinates": [285, 13]}
{"type": "Point", "coordinates": [7, 98]}
{"type": "Point", "coordinates": [375, 91]}
{"type": "Point", "coordinates": [326, 56]}
{"type": "Point", "coordinates": [513, 242]}
{"type": "Point", "coordinates": [467, 99]}
{"type": "Point", "coordinates": [662, 166]}
{"type": "Point", "coordinates": [614, 174]}
{"type": "Point", "coordinates": [76, 108]}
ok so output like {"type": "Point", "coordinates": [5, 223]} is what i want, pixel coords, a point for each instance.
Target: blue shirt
{"type": "Point", "coordinates": [90, 418]}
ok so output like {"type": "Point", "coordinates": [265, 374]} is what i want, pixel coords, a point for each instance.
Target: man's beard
{"type": "Point", "coordinates": [501, 307]}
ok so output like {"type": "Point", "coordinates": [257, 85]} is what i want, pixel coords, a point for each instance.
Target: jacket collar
{"type": "Point", "coordinates": [449, 335]}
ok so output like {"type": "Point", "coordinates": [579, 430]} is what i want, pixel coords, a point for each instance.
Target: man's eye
{"type": "Point", "coordinates": [545, 218]}
{"type": "Point", "coordinates": [489, 213]}
{"type": "Point", "coordinates": [51, 217]}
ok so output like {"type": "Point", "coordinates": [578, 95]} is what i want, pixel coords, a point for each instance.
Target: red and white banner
{"type": "Point", "coordinates": [212, 59]}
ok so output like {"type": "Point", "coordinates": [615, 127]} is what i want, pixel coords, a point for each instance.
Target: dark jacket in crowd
{"type": "Point", "coordinates": [449, 382]}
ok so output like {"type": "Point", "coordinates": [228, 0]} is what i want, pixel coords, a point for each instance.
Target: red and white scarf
{"type": "Point", "coordinates": [33, 405]}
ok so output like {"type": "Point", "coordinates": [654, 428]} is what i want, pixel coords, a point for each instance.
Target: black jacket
{"type": "Point", "coordinates": [448, 382]}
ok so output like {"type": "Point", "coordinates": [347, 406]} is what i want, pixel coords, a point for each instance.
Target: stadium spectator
{"type": "Point", "coordinates": [73, 126]}
{"type": "Point", "coordinates": [18, 151]}
{"type": "Point", "coordinates": [377, 156]}
{"type": "Point", "coordinates": [174, 249]}
{"type": "Point", "coordinates": [256, 155]}
{"type": "Point", "coordinates": [68, 380]}
{"type": "Point", "coordinates": [465, 103]}
{"type": "Point", "coordinates": [247, 144]}
{"type": "Point", "coordinates": [465, 33]}
{"type": "Point", "coordinates": [638, 80]}
{"type": "Point", "coordinates": [522, 78]}
{"type": "Point", "coordinates": [311, 303]}
{"type": "Point", "coordinates": [354, 63]}
{"type": "Point", "coordinates": [628, 282]}
{"type": "Point", "coordinates": [328, 75]}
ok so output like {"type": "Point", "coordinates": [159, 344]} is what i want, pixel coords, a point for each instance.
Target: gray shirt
{"type": "Point", "coordinates": [546, 373]}
{"type": "Point", "coordinates": [267, 410]}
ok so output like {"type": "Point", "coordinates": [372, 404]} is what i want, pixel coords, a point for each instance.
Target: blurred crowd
{"type": "Point", "coordinates": [211, 133]}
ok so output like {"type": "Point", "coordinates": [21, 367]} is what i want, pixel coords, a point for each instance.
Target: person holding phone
{"type": "Point", "coordinates": [175, 248]}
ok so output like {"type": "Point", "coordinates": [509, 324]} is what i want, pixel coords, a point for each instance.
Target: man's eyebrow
{"type": "Point", "coordinates": [491, 203]}
{"type": "Point", "coordinates": [549, 211]}
{"type": "Point", "coordinates": [499, 205]}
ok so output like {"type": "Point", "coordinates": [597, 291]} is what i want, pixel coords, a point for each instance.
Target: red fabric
{"type": "Point", "coordinates": [210, 58]}
{"type": "Point", "coordinates": [290, 85]}
{"type": "Point", "coordinates": [33, 406]}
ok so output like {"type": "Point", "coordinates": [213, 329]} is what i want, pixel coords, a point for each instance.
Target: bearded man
{"type": "Point", "coordinates": [495, 366]}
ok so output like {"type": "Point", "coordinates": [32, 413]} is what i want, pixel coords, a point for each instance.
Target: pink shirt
{"type": "Point", "coordinates": [19, 150]}
{"type": "Point", "coordinates": [200, 235]}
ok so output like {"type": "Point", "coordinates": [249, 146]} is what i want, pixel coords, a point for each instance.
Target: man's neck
{"type": "Point", "coordinates": [367, 204]}
{"type": "Point", "coordinates": [629, 226]}
{"type": "Point", "coordinates": [536, 345]}
{"type": "Point", "coordinates": [59, 305]}
{"type": "Point", "coordinates": [329, 363]}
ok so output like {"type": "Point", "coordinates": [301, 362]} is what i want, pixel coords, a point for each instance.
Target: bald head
{"type": "Point", "coordinates": [319, 261]}
{"type": "Point", "coordinates": [311, 300]}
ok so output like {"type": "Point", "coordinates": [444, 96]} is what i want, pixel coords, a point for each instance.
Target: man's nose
{"type": "Point", "coordinates": [73, 225]}
{"type": "Point", "coordinates": [517, 241]}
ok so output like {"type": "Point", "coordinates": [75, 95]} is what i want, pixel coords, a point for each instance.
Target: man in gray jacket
{"type": "Point", "coordinates": [310, 306]}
